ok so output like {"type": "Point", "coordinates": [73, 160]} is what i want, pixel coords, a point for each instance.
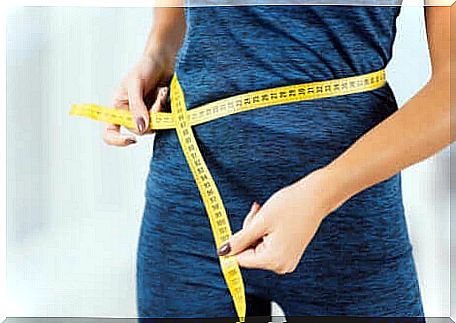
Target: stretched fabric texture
{"type": "Point", "coordinates": [360, 261]}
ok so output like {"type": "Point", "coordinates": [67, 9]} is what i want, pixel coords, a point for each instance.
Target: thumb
{"type": "Point", "coordinates": [244, 238]}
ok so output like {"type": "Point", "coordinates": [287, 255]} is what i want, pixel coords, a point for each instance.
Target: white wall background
{"type": "Point", "coordinates": [73, 220]}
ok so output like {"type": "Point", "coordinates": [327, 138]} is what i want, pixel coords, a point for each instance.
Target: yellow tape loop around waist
{"type": "Point", "coordinates": [241, 102]}
{"type": "Point", "coordinates": [182, 120]}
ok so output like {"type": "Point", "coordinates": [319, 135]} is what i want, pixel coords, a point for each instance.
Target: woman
{"type": "Point", "coordinates": [326, 232]}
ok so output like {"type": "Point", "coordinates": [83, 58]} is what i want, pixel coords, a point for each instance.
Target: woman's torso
{"type": "Point", "coordinates": [233, 49]}
{"type": "Point", "coordinates": [230, 50]}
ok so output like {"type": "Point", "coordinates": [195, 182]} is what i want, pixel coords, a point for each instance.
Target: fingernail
{"type": "Point", "coordinates": [224, 249]}
{"type": "Point", "coordinates": [130, 141]}
{"type": "Point", "coordinates": [140, 123]}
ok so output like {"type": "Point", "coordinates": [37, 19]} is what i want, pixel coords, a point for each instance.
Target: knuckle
{"type": "Point", "coordinates": [282, 267]}
{"type": "Point", "coordinates": [292, 268]}
{"type": "Point", "coordinates": [280, 271]}
{"type": "Point", "coordinates": [120, 97]}
{"type": "Point", "coordinates": [117, 103]}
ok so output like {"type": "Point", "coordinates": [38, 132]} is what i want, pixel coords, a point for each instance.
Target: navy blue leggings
{"type": "Point", "coordinates": [189, 285]}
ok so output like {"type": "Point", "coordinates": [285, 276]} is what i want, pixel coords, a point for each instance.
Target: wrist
{"type": "Point", "coordinates": [331, 187]}
{"type": "Point", "coordinates": [160, 50]}
{"type": "Point", "coordinates": [160, 53]}
{"type": "Point", "coordinates": [161, 63]}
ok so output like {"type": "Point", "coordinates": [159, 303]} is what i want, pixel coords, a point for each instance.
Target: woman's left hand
{"type": "Point", "coordinates": [275, 236]}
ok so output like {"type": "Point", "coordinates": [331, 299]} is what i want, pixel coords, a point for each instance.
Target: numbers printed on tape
{"type": "Point", "coordinates": [210, 195]}
{"type": "Point", "coordinates": [241, 102]}
{"type": "Point", "coordinates": [182, 120]}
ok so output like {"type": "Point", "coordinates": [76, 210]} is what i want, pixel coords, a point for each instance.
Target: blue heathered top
{"type": "Point", "coordinates": [229, 50]}
{"type": "Point", "coordinates": [233, 49]}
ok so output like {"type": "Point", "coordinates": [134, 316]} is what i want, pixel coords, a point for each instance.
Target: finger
{"type": "Point", "coordinates": [158, 106]}
{"type": "Point", "coordinates": [120, 97]}
{"type": "Point", "coordinates": [244, 238]}
{"type": "Point", "coordinates": [123, 105]}
{"type": "Point", "coordinates": [112, 136]}
{"type": "Point", "coordinates": [160, 101]}
{"type": "Point", "coordinates": [253, 211]}
{"type": "Point", "coordinates": [254, 258]}
{"type": "Point", "coordinates": [137, 106]}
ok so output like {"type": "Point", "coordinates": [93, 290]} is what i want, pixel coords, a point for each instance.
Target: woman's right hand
{"type": "Point", "coordinates": [143, 89]}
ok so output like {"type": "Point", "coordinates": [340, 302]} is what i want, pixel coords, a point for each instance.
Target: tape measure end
{"type": "Point", "coordinates": [73, 109]}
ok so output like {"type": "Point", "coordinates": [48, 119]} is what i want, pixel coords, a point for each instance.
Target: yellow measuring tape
{"type": "Point", "coordinates": [182, 120]}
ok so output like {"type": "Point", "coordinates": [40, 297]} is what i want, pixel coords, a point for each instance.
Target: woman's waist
{"type": "Point", "coordinates": [251, 157]}
{"type": "Point", "coordinates": [310, 133]}
{"type": "Point", "coordinates": [204, 85]}
{"type": "Point", "coordinates": [320, 126]}
{"type": "Point", "coordinates": [369, 225]}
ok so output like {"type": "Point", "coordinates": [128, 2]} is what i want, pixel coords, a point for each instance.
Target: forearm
{"type": "Point", "coordinates": [416, 131]}
{"type": "Point", "coordinates": [167, 32]}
